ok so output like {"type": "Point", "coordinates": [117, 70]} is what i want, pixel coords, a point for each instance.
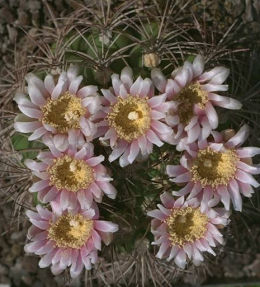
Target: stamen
{"type": "Point", "coordinates": [130, 117]}
{"type": "Point", "coordinates": [63, 113]}
{"type": "Point", "coordinates": [213, 168]}
{"type": "Point", "coordinates": [186, 225]}
{"type": "Point", "coordinates": [70, 231]}
{"type": "Point", "coordinates": [188, 97]}
{"type": "Point", "coordinates": [70, 173]}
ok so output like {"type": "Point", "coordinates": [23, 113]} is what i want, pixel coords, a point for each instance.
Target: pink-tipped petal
{"type": "Point", "coordinates": [127, 77]}
{"type": "Point", "coordinates": [156, 101]}
{"type": "Point", "coordinates": [38, 186]}
{"type": "Point", "coordinates": [180, 259]}
{"type": "Point", "coordinates": [109, 96]}
{"type": "Point", "coordinates": [182, 77]}
{"type": "Point", "coordinates": [160, 127]}
{"type": "Point", "coordinates": [235, 195]}
{"type": "Point", "coordinates": [38, 133]}
{"type": "Point", "coordinates": [198, 66]}
{"type": "Point", "coordinates": [193, 133]}
{"type": "Point", "coordinates": [247, 152]}
{"type": "Point", "coordinates": [159, 80]}
{"type": "Point", "coordinates": [179, 202]}
{"type": "Point", "coordinates": [106, 226]}
{"type": "Point", "coordinates": [185, 177]}
{"type": "Point", "coordinates": [246, 178]}
{"type": "Point", "coordinates": [157, 214]}
{"type": "Point", "coordinates": [212, 115]}
{"type": "Point", "coordinates": [153, 138]}
{"type": "Point", "coordinates": [116, 83]}
{"type": "Point", "coordinates": [135, 88]}
{"type": "Point", "coordinates": [95, 160]}
{"type": "Point", "coordinates": [36, 96]}
{"type": "Point", "coordinates": [248, 168]}
{"type": "Point", "coordinates": [61, 86]}
{"type": "Point", "coordinates": [49, 83]}
{"type": "Point", "coordinates": [239, 138]}
{"type": "Point", "coordinates": [220, 77]}
{"type": "Point", "coordinates": [74, 85]}
{"type": "Point", "coordinates": [162, 250]}
{"type": "Point", "coordinates": [225, 102]}
{"type": "Point", "coordinates": [224, 196]}
{"type": "Point", "coordinates": [134, 150]}
{"type": "Point", "coordinates": [174, 170]}
{"type": "Point", "coordinates": [167, 200]}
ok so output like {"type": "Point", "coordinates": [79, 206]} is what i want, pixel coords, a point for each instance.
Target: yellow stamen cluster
{"type": "Point", "coordinates": [70, 173]}
{"type": "Point", "coordinates": [130, 117]}
{"type": "Point", "coordinates": [71, 231]}
{"type": "Point", "coordinates": [188, 97]}
{"type": "Point", "coordinates": [214, 168]}
{"type": "Point", "coordinates": [63, 113]}
{"type": "Point", "coordinates": [185, 225]}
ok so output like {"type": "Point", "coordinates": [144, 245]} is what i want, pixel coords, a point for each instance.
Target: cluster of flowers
{"type": "Point", "coordinates": [130, 118]}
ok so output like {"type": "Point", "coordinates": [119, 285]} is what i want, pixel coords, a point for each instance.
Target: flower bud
{"type": "Point", "coordinates": [151, 60]}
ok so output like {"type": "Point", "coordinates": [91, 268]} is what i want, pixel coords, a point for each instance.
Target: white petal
{"type": "Point", "coordinates": [235, 195]}
{"type": "Point", "coordinates": [134, 150]}
{"type": "Point", "coordinates": [127, 77]}
{"type": "Point", "coordinates": [36, 96]}
{"type": "Point", "coordinates": [74, 85]}
{"type": "Point", "coordinates": [116, 83]}
{"type": "Point", "coordinates": [212, 115]}
{"type": "Point", "coordinates": [198, 66]}
{"type": "Point", "coordinates": [61, 86]}
{"type": "Point", "coordinates": [193, 133]}
{"type": "Point", "coordinates": [158, 79]}
{"type": "Point", "coordinates": [225, 102]}
{"type": "Point", "coordinates": [239, 138]}
{"type": "Point", "coordinates": [220, 77]}
{"type": "Point", "coordinates": [224, 196]}
{"type": "Point", "coordinates": [49, 83]}
{"type": "Point", "coordinates": [136, 86]}
{"type": "Point", "coordinates": [153, 138]}
{"type": "Point", "coordinates": [180, 259]}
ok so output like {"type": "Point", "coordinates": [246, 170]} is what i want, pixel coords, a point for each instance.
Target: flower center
{"type": "Point", "coordinates": [214, 168]}
{"type": "Point", "coordinates": [188, 97]}
{"type": "Point", "coordinates": [186, 225]}
{"type": "Point", "coordinates": [63, 113]}
{"type": "Point", "coordinates": [71, 231]}
{"type": "Point", "coordinates": [71, 174]}
{"type": "Point", "coordinates": [130, 118]}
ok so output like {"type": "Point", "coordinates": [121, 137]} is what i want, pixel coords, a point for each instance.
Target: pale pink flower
{"type": "Point", "coordinates": [217, 171]}
{"type": "Point", "coordinates": [183, 231]}
{"type": "Point", "coordinates": [193, 95]}
{"type": "Point", "coordinates": [69, 177]}
{"type": "Point", "coordinates": [60, 109]}
{"type": "Point", "coordinates": [133, 117]}
{"type": "Point", "coordinates": [68, 239]}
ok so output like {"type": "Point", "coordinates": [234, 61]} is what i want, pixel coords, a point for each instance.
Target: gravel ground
{"type": "Point", "coordinates": [17, 269]}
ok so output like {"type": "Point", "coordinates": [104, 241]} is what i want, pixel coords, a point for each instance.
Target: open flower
{"type": "Point", "coordinates": [193, 95]}
{"type": "Point", "coordinates": [217, 171]}
{"type": "Point", "coordinates": [132, 117]}
{"type": "Point", "coordinates": [68, 239]}
{"type": "Point", "coordinates": [60, 109]}
{"type": "Point", "coordinates": [71, 176]}
{"type": "Point", "coordinates": [183, 231]}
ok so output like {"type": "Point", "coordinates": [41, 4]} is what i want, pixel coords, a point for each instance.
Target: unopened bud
{"type": "Point", "coordinates": [151, 60]}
